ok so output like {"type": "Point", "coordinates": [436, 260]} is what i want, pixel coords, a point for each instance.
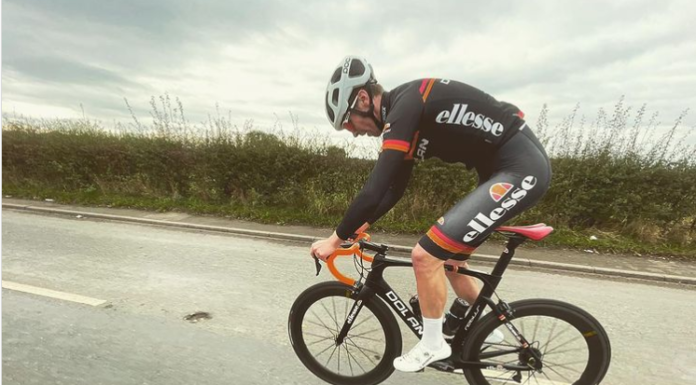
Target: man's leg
{"type": "Point", "coordinates": [464, 286]}
{"type": "Point", "coordinates": [432, 295]}
{"type": "Point", "coordinates": [467, 287]}
{"type": "Point", "coordinates": [431, 282]}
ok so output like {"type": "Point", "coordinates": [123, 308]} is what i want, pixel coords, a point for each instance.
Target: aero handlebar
{"type": "Point", "coordinates": [352, 248]}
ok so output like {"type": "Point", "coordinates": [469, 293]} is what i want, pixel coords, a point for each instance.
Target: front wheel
{"type": "Point", "coordinates": [367, 353]}
{"type": "Point", "coordinates": [572, 345]}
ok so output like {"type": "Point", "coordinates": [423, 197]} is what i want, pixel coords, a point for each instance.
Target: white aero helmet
{"type": "Point", "coordinates": [351, 74]}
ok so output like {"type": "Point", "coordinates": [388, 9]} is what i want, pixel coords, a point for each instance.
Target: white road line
{"type": "Point", "coordinates": [52, 293]}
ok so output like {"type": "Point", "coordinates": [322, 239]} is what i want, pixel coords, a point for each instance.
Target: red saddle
{"type": "Point", "coordinates": [534, 232]}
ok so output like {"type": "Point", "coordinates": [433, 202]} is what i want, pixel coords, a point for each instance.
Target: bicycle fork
{"type": "Point", "coordinates": [364, 292]}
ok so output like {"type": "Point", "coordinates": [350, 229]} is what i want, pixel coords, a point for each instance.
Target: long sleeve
{"type": "Point", "coordinates": [395, 192]}
{"type": "Point", "coordinates": [366, 204]}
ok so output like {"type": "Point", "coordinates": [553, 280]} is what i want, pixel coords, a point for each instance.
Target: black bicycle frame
{"type": "Point", "coordinates": [376, 285]}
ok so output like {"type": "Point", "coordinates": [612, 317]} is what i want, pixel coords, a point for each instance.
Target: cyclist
{"type": "Point", "coordinates": [457, 123]}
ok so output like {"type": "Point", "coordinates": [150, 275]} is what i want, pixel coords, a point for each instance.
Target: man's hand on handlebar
{"type": "Point", "coordinates": [322, 249]}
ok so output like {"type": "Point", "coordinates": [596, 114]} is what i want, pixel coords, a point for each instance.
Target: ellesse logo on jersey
{"type": "Point", "coordinates": [459, 115]}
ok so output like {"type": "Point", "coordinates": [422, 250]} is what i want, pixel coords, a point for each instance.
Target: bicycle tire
{"type": "Point", "coordinates": [587, 327]}
{"type": "Point", "coordinates": [335, 291]}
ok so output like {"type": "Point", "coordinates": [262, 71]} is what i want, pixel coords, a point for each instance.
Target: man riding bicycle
{"type": "Point", "coordinates": [457, 123]}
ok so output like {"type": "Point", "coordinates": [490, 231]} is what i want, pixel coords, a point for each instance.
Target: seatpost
{"type": "Point", "coordinates": [507, 255]}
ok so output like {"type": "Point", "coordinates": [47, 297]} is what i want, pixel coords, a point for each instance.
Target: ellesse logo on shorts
{"type": "Point", "coordinates": [499, 190]}
{"type": "Point", "coordinates": [483, 222]}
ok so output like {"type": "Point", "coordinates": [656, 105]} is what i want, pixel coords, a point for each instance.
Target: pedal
{"type": "Point", "coordinates": [443, 366]}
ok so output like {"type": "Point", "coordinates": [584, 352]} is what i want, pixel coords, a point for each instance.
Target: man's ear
{"type": "Point", "coordinates": [364, 99]}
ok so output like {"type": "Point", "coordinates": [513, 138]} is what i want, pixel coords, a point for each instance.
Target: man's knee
{"type": "Point", "coordinates": [424, 261]}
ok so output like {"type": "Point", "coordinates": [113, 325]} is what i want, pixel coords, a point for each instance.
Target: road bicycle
{"type": "Point", "coordinates": [345, 334]}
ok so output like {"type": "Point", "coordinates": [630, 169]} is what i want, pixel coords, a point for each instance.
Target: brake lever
{"type": "Point", "coordinates": [317, 264]}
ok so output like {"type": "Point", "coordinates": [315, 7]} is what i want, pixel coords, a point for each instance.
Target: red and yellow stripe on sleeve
{"type": "Point", "coordinates": [398, 145]}
{"type": "Point", "coordinates": [425, 88]}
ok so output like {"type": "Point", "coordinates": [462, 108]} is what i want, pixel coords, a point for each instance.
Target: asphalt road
{"type": "Point", "coordinates": [153, 277]}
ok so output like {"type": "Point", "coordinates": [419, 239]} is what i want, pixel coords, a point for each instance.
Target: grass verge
{"type": "Point", "coordinates": [605, 242]}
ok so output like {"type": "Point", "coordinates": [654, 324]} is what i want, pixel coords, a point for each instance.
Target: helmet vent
{"type": "Point", "coordinates": [330, 112]}
{"type": "Point", "coordinates": [336, 76]}
{"type": "Point", "coordinates": [357, 68]}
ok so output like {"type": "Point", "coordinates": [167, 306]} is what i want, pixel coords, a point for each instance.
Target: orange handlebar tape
{"type": "Point", "coordinates": [353, 250]}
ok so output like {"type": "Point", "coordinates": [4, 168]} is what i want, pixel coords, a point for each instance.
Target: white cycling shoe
{"type": "Point", "coordinates": [419, 357]}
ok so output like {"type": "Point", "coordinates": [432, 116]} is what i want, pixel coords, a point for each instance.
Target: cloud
{"type": "Point", "coordinates": [261, 59]}
{"type": "Point", "coordinates": [58, 70]}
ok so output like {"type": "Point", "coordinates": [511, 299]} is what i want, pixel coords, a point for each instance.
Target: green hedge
{"type": "Point", "coordinates": [650, 201]}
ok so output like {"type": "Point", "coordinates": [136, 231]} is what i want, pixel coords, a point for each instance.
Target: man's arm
{"type": "Point", "coordinates": [395, 192]}
{"type": "Point", "coordinates": [368, 202]}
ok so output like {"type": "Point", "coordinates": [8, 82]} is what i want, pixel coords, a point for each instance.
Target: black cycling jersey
{"type": "Point", "coordinates": [431, 118]}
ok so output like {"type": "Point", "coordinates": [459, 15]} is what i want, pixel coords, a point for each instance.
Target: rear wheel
{"type": "Point", "coordinates": [366, 355]}
{"type": "Point", "coordinates": [573, 346]}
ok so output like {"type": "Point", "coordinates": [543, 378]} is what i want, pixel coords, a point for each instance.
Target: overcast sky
{"type": "Point", "coordinates": [262, 59]}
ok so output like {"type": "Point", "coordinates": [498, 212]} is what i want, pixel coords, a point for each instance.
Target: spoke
{"type": "Point", "coordinates": [369, 359]}
{"type": "Point", "coordinates": [504, 343]}
{"type": "Point", "coordinates": [562, 376]}
{"type": "Point", "coordinates": [349, 355]}
{"type": "Point", "coordinates": [320, 353]}
{"type": "Point", "coordinates": [333, 303]}
{"type": "Point", "coordinates": [332, 317]}
{"type": "Point", "coordinates": [329, 359]}
{"type": "Point", "coordinates": [338, 360]}
{"type": "Point", "coordinates": [566, 365]}
{"type": "Point", "coordinates": [320, 324]}
{"type": "Point", "coordinates": [363, 350]}
{"type": "Point", "coordinates": [361, 335]}
{"type": "Point", "coordinates": [321, 340]}
{"type": "Point", "coordinates": [536, 327]}
{"type": "Point", "coordinates": [553, 327]}
{"type": "Point", "coordinates": [350, 365]}
{"type": "Point", "coordinates": [515, 361]}
{"type": "Point", "coordinates": [535, 378]}
{"type": "Point", "coordinates": [311, 334]}
{"type": "Point", "coordinates": [562, 351]}
{"type": "Point", "coordinates": [563, 344]}
{"type": "Point", "coordinates": [547, 377]}
{"type": "Point", "coordinates": [361, 322]}
{"type": "Point", "coordinates": [321, 320]}
{"type": "Point", "coordinates": [562, 332]}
